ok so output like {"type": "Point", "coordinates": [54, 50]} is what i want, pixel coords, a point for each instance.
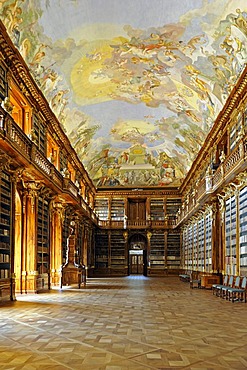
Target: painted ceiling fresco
{"type": "Point", "coordinates": [136, 84]}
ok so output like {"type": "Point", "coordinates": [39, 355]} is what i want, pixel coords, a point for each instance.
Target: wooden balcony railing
{"type": "Point", "coordinates": [42, 162]}
{"type": "Point", "coordinates": [13, 134]}
{"type": "Point", "coordinates": [232, 160]}
{"type": "Point", "coordinates": [201, 189]}
{"type": "Point", "coordinates": [137, 224]}
{"type": "Point", "coordinates": [217, 177]}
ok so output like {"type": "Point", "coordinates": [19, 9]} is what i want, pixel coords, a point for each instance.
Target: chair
{"type": "Point", "coordinates": [184, 277]}
{"type": "Point", "coordinates": [238, 293]}
{"type": "Point", "coordinates": [236, 285]}
{"type": "Point", "coordinates": [194, 281]}
{"type": "Point", "coordinates": [223, 290]}
{"type": "Point", "coordinates": [215, 287]}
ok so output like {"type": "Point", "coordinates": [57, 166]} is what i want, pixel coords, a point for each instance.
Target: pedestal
{"type": "Point", "coordinates": [71, 272]}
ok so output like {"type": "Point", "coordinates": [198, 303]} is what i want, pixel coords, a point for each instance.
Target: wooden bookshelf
{"type": "Point", "coordinates": [43, 250]}
{"type": "Point", "coordinates": [118, 255]}
{"type": "Point", "coordinates": [101, 250]}
{"type": "Point", "coordinates": [5, 235]}
{"type": "Point", "coordinates": [208, 242]}
{"type": "Point", "coordinates": [157, 212]}
{"type": "Point", "coordinates": [173, 250]}
{"type": "Point", "coordinates": [157, 250]}
{"type": "Point", "coordinates": [201, 239]}
{"type": "Point", "coordinates": [243, 228]}
{"type": "Point", "coordinates": [39, 131]}
{"type": "Point", "coordinates": [172, 207]}
{"type": "Point", "coordinates": [101, 208]}
{"type": "Point", "coordinates": [195, 246]}
{"type": "Point", "coordinates": [65, 235]}
{"type": "Point", "coordinates": [230, 236]}
{"type": "Point", "coordinates": [117, 209]}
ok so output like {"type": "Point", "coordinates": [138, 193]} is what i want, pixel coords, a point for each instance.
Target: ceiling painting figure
{"type": "Point", "coordinates": [135, 85]}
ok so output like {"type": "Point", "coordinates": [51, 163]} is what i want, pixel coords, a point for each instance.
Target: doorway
{"type": "Point", "coordinates": [137, 255]}
{"type": "Point", "coordinates": [136, 262]}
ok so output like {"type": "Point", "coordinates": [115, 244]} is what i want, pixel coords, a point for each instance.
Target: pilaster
{"type": "Point", "coordinates": [56, 223]}
{"type": "Point", "coordinates": [29, 255]}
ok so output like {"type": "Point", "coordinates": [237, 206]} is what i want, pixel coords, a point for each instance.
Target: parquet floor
{"type": "Point", "coordinates": [133, 323]}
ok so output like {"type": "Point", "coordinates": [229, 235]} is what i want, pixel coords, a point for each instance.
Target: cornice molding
{"type": "Point", "coordinates": [27, 84]}
{"type": "Point", "coordinates": [231, 103]}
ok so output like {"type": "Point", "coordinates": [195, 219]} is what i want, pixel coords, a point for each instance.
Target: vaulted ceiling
{"type": "Point", "coordinates": [136, 84]}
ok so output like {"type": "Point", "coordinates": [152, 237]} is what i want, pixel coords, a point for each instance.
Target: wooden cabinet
{"type": "Point", "coordinates": [208, 280]}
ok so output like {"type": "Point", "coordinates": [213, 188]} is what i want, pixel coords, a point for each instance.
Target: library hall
{"type": "Point", "coordinates": [123, 184]}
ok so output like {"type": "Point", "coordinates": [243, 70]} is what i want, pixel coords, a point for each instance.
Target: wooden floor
{"type": "Point", "coordinates": [133, 323]}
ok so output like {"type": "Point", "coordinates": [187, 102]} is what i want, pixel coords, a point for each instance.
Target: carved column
{"type": "Point", "coordinates": [216, 237]}
{"type": "Point", "coordinates": [56, 226]}
{"type": "Point", "coordinates": [126, 250]}
{"type": "Point", "coordinates": [221, 252]}
{"type": "Point", "coordinates": [29, 256]}
{"type": "Point", "coordinates": [149, 234]}
{"type": "Point", "coordinates": [85, 246]}
{"type": "Point", "coordinates": [237, 256]}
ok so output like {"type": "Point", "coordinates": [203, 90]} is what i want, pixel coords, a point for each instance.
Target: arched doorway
{"type": "Point", "coordinates": [137, 255]}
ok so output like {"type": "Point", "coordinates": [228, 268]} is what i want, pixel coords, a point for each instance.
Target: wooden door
{"type": "Point", "coordinates": [137, 209]}
{"type": "Point", "coordinates": [136, 264]}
